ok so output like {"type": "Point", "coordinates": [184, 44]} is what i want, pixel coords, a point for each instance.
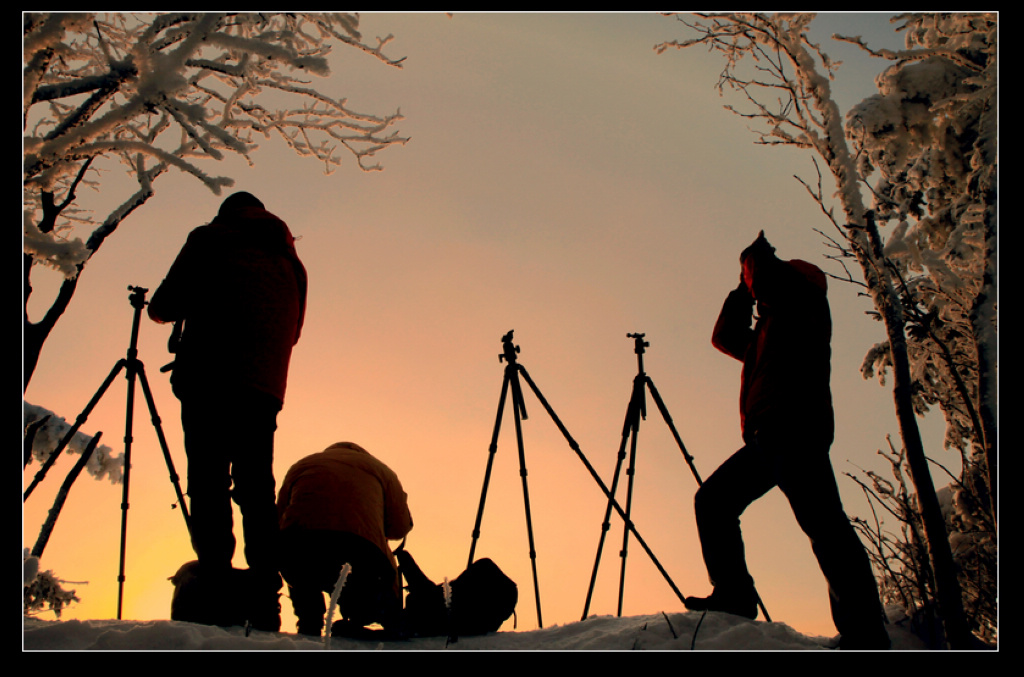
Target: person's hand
{"type": "Point", "coordinates": [743, 290]}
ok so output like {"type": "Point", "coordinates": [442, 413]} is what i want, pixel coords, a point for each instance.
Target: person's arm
{"type": "Point", "coordinates": [733, 332]}
{"type": "Point", "coordinates": [397, 518]}
{"type": "Point", "coordinates": [302, 280]}
{"type": "Point", "coordinates": [168, 301]}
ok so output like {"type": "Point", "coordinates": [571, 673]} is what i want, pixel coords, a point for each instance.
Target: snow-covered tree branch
{"type": "Point", "coordinates": [930, 138]}
{"type": "Point", "coordinates": [148, 93]}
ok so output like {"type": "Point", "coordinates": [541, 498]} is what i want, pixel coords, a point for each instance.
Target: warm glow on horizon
{"type": "Point", "coordinates": [559, 182]}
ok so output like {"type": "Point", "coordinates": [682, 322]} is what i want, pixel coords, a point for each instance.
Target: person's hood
{"type": "Point", "coordinates": [811, 272]}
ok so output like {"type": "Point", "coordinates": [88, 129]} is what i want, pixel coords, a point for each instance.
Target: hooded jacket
{"type": "Point", "coordinates": [240, 288]}
{"type": "Point", "coordinates": [344, 488]}
{"type": "Point", "coordinates": [787, 354]}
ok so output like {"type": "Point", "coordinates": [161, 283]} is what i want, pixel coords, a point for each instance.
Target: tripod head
{"type": "Point", "coordinates": [638, 347]}
{"type": "Point", "coordinates": [137, 297]}
{"type": "Point", "coordinates": [639, 342]}
{"type": "Point", "coordinates": [508, 350]}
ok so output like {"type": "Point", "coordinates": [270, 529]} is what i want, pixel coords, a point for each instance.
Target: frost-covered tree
{"type": "Point", "coordinates": [788, 90]}
{"type": "Point", "coordinates": [137, 95]}
{"type": "Point", "coordinates": [929, 141]}
{"type": "Point", "coordinates": [930, 136]}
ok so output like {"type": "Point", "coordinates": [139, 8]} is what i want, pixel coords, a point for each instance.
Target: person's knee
{"type": "Point", "coordinates": [254, 489]}
{"type": "Point", "coordinates": [706, 503]}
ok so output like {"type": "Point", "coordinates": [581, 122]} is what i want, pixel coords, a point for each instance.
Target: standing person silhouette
{"type": "Point", "coordinates": [788, 427]}
{"type": "Point", "coordinates": [239, 290]}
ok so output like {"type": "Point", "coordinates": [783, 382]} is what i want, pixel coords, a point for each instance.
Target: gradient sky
{"type": "Point", "coordinates": [563, 181]}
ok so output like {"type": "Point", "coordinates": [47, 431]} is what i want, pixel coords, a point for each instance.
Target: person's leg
{"type": "Point", "coordinates": [229, 440]}
{"type": "Point", "coordinates": [305, 567]}
{"type": "Point", "coordinates": [208, 487]}
{"type": "Point", "coordinates": [309, 607]}
{"type": "Point", "coordinates": [718, 504]}
{"type": "Point", "coordinates": [371, 593]}
{"type": "Point", "coordinates": [252, 470]}
{"type": "Point", "coordinates": [808, 481]}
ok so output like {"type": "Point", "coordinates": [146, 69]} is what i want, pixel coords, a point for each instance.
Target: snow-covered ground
{"type": "Point", "coordinates": [656, 632]}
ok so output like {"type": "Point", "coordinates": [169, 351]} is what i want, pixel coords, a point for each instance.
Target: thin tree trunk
{"type": "Point", "coordinates": [34, 334]}
{"type": "Point", "coordinates": [862, 233]}
{"type": "Point", "coordinates": [947, 586]}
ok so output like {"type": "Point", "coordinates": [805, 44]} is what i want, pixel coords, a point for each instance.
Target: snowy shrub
{"type": "Point", "coordinates": [335, 594]}
{"type": "Point", "coordinates": [901, 561]}
{"type": "Point", "coordinates": [43, 591]}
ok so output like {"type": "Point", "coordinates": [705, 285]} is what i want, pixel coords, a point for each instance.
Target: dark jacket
{"type": "Point", "coordinates": [787, 354]}
{"type": "Point", "coordinates": [240, 288]}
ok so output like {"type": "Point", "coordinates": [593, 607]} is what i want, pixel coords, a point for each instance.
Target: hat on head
{"type": "Point", "coordinates": [238, 201]}
{"type": "Point", "coordinates": [759, 247]}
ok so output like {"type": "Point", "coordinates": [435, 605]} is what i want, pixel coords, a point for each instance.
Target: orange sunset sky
{"type": "Point", "coordinates": [561, 180]}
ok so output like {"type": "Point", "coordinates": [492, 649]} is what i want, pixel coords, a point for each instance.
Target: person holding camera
{"type": "Point", "coordinates": [787, 422]}
{"type": "Point", "coordinates": [237, 290]}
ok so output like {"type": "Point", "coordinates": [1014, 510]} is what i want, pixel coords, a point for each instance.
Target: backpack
{"type": "Point", "coordinates": [482, 598]}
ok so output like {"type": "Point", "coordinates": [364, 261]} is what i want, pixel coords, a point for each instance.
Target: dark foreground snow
{"type": "Point", "coordinates": [655, 632]}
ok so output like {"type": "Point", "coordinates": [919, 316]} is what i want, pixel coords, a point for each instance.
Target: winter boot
{"type": "Point", "coordinates": [878, 641]}
{"type": "Point", "coordinates": [738, 603]}
{"type": "Point", "coordinates": [310, 627]}
{"type": "Point", "coordinates": [264, 600]}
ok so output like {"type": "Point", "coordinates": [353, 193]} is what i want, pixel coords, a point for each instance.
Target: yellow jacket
{"type": "Point", "coordinates": [345, 488]}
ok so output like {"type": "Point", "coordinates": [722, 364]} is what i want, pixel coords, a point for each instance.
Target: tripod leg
{"type": "Point", "coordinates": [633, 410]}
{"type": "Point", "coordinates": [129, 414]}
{"type": "Point", "coordinates": [517, 410]}
{"type": "Point", "coordinates": [490, 463]}
{"type": "Point", "coordinates": [606, 524]}
{"type": "Point", "coordinates": [163, 444]}
{"type": "Point", "coordinates": [79, 422]}
{"type": "Point", "coordinates": [630, 472]}
{"type": "Point", "coordinates": [668, 419]}
{"type": "Point", "coordinates": [597, 478]}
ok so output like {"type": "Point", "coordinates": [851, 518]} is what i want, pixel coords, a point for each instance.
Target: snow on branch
{"type": "Point", "coordinates": [102, 463]}
{"type": "Point", "coordinates": [53, 250]}
{"type": "Point", "coordinates": [182, 89]}
{"type": "Point", "coordinates": [778, 84]}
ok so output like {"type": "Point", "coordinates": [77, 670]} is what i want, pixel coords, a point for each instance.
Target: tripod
{"type": "Point", "coordinates": [635, 410]}
{"type": "Point", "coordinates": [134, 369]}
{"type": "Point", "coordinates": [511, 381]}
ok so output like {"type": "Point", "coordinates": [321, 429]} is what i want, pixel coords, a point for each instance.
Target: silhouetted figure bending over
{"type": "Point", "coordinates": [239, 290]}
{"type": "Point", "coordinates": [788, 427]}
{"type": "Point", "coordinates": [342, 506]}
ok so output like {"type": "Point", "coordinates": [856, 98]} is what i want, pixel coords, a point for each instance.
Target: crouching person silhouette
{"type": "Point", "coordinates": [788, 427]}
{"type": "Point", "coordinates": [336, 507]}
{"type": "Point", "coordinates": [238, 289]}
